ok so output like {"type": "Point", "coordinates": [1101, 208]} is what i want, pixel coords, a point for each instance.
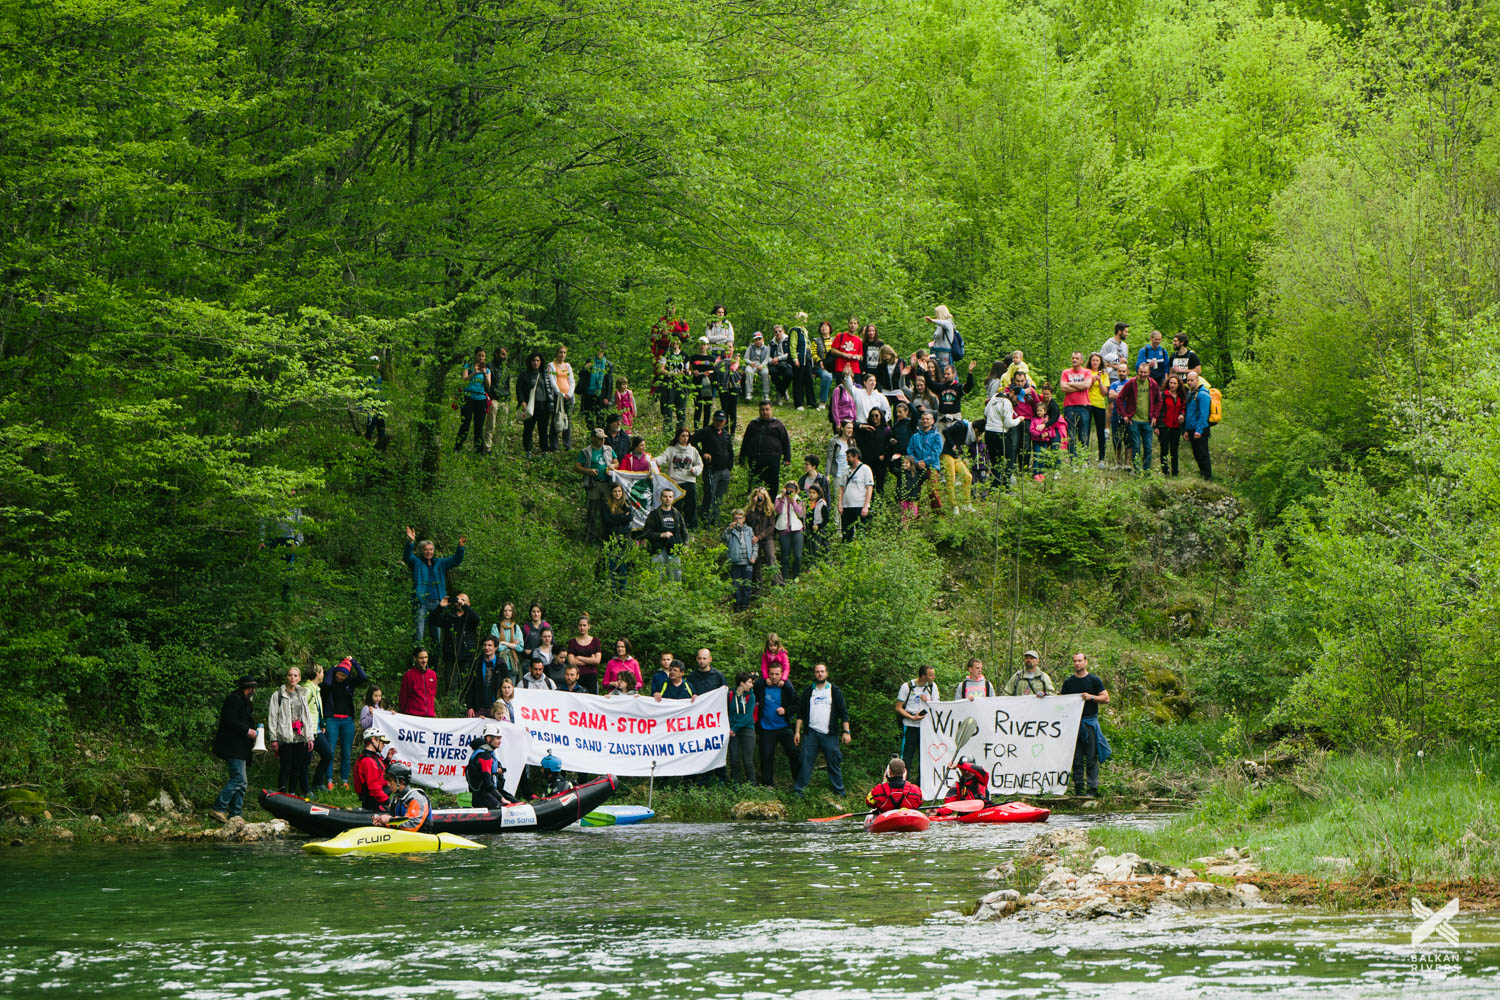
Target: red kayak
{"type": "Point", "coordinates": [897, 821]}
{"type": "Point", "coordinates": [1006, 812]}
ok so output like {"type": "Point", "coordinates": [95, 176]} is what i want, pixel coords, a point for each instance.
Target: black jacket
{"type": "Point", "coordinates": [717, 447]}
{"type": "Point", "coordinates": [460, 632]}
{"type": "Point", "coordinates": [840, 713]}
{"type": "Point", "coordinates": [617, 525]}
{"type": "Point", "coordinates": [766, 441]}
{"type": "Point", "coordinates": [484, 685]}
{"type": "Point", "coordinates": [659, 521]}
{"type": "Point", "coordinates": [788, 701]}
{"type": "Point", "coordinates": [546, 395]}
{"type": "Point", "coordinates": [236, 719]}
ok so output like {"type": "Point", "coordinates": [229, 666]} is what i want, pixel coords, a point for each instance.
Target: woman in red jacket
{"type": "Point", "coordinates": [1169, 425]}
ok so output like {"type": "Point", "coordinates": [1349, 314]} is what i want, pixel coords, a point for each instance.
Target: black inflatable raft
{"type": "Point", "coordinates": [552, 813]}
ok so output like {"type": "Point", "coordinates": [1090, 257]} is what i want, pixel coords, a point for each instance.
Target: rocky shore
{"type": "Point", "coordinates": [1079, 884]}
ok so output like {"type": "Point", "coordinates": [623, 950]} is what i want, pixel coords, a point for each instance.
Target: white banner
{"type": "Point", "coordinates": [643, 493]}
{"type": "Point", "coordinates": [1026, 743]}
{"type": "Point", "coordinates": [437, 750]}
{"type": "Point", "coordinates": [625, 735]}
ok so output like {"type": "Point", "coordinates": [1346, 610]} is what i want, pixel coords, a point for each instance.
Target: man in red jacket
{"type": "Point", "coordinates": [418, 688]}
{"type": "Point", "coordinates": [895, 792]}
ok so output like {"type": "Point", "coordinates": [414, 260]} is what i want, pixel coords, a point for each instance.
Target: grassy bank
{"type": "Point", "coordinates": [1348, 829]}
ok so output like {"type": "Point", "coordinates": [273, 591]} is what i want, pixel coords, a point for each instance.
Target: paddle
{"type": "Point", "coordinates": [961, 806]}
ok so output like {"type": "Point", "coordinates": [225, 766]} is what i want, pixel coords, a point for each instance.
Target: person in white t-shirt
{"type": "Point", "coordinates": [911, 705]}
{"type": "Point", "coordinates": [976, 685]}
{"type": "Point", "coordinates": [827, 730]}
{"type": "Point", "coordinates": [859, 487]}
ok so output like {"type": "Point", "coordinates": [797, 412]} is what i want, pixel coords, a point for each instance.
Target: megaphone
{"type": "Point", "coordinates": [260, 738]}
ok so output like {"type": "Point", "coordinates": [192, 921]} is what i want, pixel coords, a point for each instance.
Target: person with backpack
{"type": "Point", "coordinates": [1196, 424]}
{"type": "Point", "coordinates": [1169, 427]}
{"type": "Point", "coordinates": [947, 345]}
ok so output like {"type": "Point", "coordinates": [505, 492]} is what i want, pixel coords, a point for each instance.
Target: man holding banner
{"type": "Point", "coordinates": [1091, 747]}
{"type": "Point", "coordinates": [1024, 744]}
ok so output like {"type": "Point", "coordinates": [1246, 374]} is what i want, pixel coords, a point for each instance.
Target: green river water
{"type": "Point", "coordinates": [658, 910]}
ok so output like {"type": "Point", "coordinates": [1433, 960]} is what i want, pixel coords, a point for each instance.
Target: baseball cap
{"type": "Point", "coordinates": [1033, 654]}
{"type": "Point", "coordinates": [720, 415]}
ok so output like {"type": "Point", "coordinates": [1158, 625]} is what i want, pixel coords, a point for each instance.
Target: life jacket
{"type": "Point", "coordinates": [483, 771]}
{"type": "Point", "coordinates": [409, 810]}
{"type": "Point", "coordinates": [898, 794]}
{"type": "Point", "coordinates": [368, 779]}
{"type": "Point", "coordinates": [973, 783]}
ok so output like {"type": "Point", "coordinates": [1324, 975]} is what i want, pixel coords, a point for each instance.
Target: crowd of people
{"type": "Point", "coordinates": [898, 432]}
{"type": "Point", "coordinates": [768, 716]}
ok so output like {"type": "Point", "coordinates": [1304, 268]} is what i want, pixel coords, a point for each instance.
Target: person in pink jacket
{"type": "Point", "coordinates": [775, 652]}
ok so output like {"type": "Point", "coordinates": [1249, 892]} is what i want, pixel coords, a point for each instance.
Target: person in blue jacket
{"type": "Point", "coordinates": [926, 451]}
{"type": "Point", "coordinates": [1195, 423]}
{"type": "Point", "coordinates": [429, 576]}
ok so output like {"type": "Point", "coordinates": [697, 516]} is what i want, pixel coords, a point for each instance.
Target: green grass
{"type": "Point", "coordinates": [1390, 818]}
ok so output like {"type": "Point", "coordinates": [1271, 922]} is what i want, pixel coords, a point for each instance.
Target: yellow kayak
{"type": "Point", "coordinates": [383, 840]}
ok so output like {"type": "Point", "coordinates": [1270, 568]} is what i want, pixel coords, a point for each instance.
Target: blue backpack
{"type": "Point", "coordinates": [958, 346]}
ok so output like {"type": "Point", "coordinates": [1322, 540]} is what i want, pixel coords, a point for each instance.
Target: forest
{"type": "Point", "coordinates": [229, 234]}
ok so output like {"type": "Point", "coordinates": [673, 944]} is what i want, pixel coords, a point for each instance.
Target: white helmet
{"type": "Point", "coordinates": [493, 728]}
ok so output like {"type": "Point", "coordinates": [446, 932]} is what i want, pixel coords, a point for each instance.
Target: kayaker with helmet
{"type": "Point", "coordinates": [895, 792]}
{"type": "Point", "coordinates": [485, 775]}
{"type": "Point", "coordinates": [557, 783]}
{"type": "Point", "coordinates": [369, 771]}
{"type": "Point", "coordinates": [406, 808]}
{"type": "Point", "coordinates": [973, 782]}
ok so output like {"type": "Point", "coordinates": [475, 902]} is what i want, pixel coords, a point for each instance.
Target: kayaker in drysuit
{"type": "Point", "coordinates": [485, 775]}
{"type": "Point", "coordinates": [406, 808]}
{"type": "Point", "coordinates": [557, 783]}
{"type": "Point", "coordinates": [972, 783]}
{"type": "Point", "coordinates": [895, 792]}
{"type": "Point", "coordinates": [369, 771]}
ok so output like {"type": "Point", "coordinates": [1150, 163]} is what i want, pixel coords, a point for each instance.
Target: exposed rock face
{"type": "Point", "coordinates": [1124, 885]}
{"type": "Point", "coordinates": [758, 810]}
{"type": "Point", "coordinates": [239, 831]}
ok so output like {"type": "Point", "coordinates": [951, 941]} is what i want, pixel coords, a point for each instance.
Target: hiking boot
{"type": "Point", "coordinates": [216, 815]}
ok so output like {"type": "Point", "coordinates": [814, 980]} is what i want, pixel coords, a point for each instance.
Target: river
{"type": "Point", "coordinates": [658, 911]}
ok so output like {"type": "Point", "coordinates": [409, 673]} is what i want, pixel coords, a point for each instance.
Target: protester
{"type": "Point", "coordinates": [773, 653]}
{"type": "Point", "coordinates": [532, 628]}
{"type": "Point", "coordinates": [1184, 359]}
{"type": "Point", "coordinates": [720, 331]}
{"type": "Point", "coordinates": [1195, 422]}
{"type": "Point", "coordinates": [369, 773]}
{"type": "Point", "coordinates": [485, 776]}
{"type": "Point", "coordinates": [847, 350]}
{"type": "Point", "coordinates": [666, 329]}
{"type": "Point", "coordinates": [484, 678]}
{"type": "Point", "coordinates": [1030, 679]}
{"type": "Point", "coordinates": [705, 677]}
{"type": "Point", "coordinates": [741, 551]}
{"type": "Point", "coordinates": [716, 444]}
{"type": "Point", "coordinates": [561, 374]}
{"type": "Point", "coordinates": [790, 512]}
{"type": "Point", "coordinates": [1119, 426]}
{"type": "Point", "coordinates": [545, 655]}
{"type": "Point", "coordinates": [702, 382]}
{"type": "Point", "coordinates": [1115, 349]}
{"type": "Point", "coordinates": [765, 448]}
{"type": "Point", "coordinates": [637, 459]}
{"type": "Point", "coordinates": [672, 383]}
{"type": "Point", "coordinates": [855, 495]}
{"type": "Point", "coordinates": [504, 708]}
{"type": "Point", "coordinates": [958, 481]}
{"type": "Point", "coordinates": [595, 462]}
{"type": "Point", "coordinates": [684, 465]}
{"type": "Point", "coordinates": [729, 380]}
{"type": "Point", "coordinates": [405, 807]}
{"type": "Point", "coordinates": [945, 339]}
{"type": "Point", "coordinates": [842, 408]}
{"type": "Point", "coordinates": [894, 792]}
{"type": "Point", "coordinates": [665, 531]}
{"type": "Point", "coordinates": [536, 399]}
{"type": "Point", "coordinates": [625, 402]}
{"type": "Point", "coordinates": [1098, 424]}
{"type": "Point", "coordinates": [775, 711]}
{"type": "Point", "coordinates": [975, 685]}
{"type": "Point", "coordinates": [476, 402]}
{"type": "Point", "coordinates": [838, 455]}
{"type": "Point", "coordinates": [596, 384]}
{"type": "Point", "coordinates": [622, 663]}
{"type": "Point", "coordinates": [1074, 384]}
{"type": "Point", "coordinates": [312, 691]}
{"type": "Point", "coordinates": [1086, 755]}
{"type": "Point", "coordinates": [1169, 427]}
{"type": "Point", "coordinates": [999, 418]}
{"type": "Point", "coordinates": [911, 705]}
{"type": "Point", "coordinates": [926, 451]}
{"type": "Point", "coordinates": [429, 575]}
{"type": "Point", "coordinates": [659, 677]}
{"type": "Point", "coordinates": [890, 377]}
{"type": "Point", "coordinates": [760, 515]}
{"type": "Point", "coordinates": [823, 362]}
{"type": "Point", "coordinates": [456, 625]}
{"type": "Point", "coordinates": [289, 732]}
{"type": "Point", "coordinates": [757, 365]}
{"type": "Point", "coordinates": [971, 784]}
{"type": "Point", "coordinates": [742, 730]}
{"type": "Point", "coordinates": [827, 718]}
{"type": "Point", "coordinates": [510, 643]}
{"type": "Point", "coordinates": [233, 743]}
{"type": "Point", "coordinates": [535, 678]}
{"type": "Point", "coordinates": [1154, 355]}
{"type": "Point", "coordinates": [781, 363]}
{"type": "Point", "coordinates": [367, 710]}
{"type": "Point", "coordinates": [586, 652]}
{"type": "Point", "coordinates": [569, 683]}
{"type": "Point", "coordinates": [1140, 403]}
{"type": "Point", "coordinates": [339, 702]}
{"type": "Point", "coordinates": [676, 688]}
{"type": "Point", "coordinates": [817, 522]}
{"type": "Point", "coordinates": [418, 687]}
